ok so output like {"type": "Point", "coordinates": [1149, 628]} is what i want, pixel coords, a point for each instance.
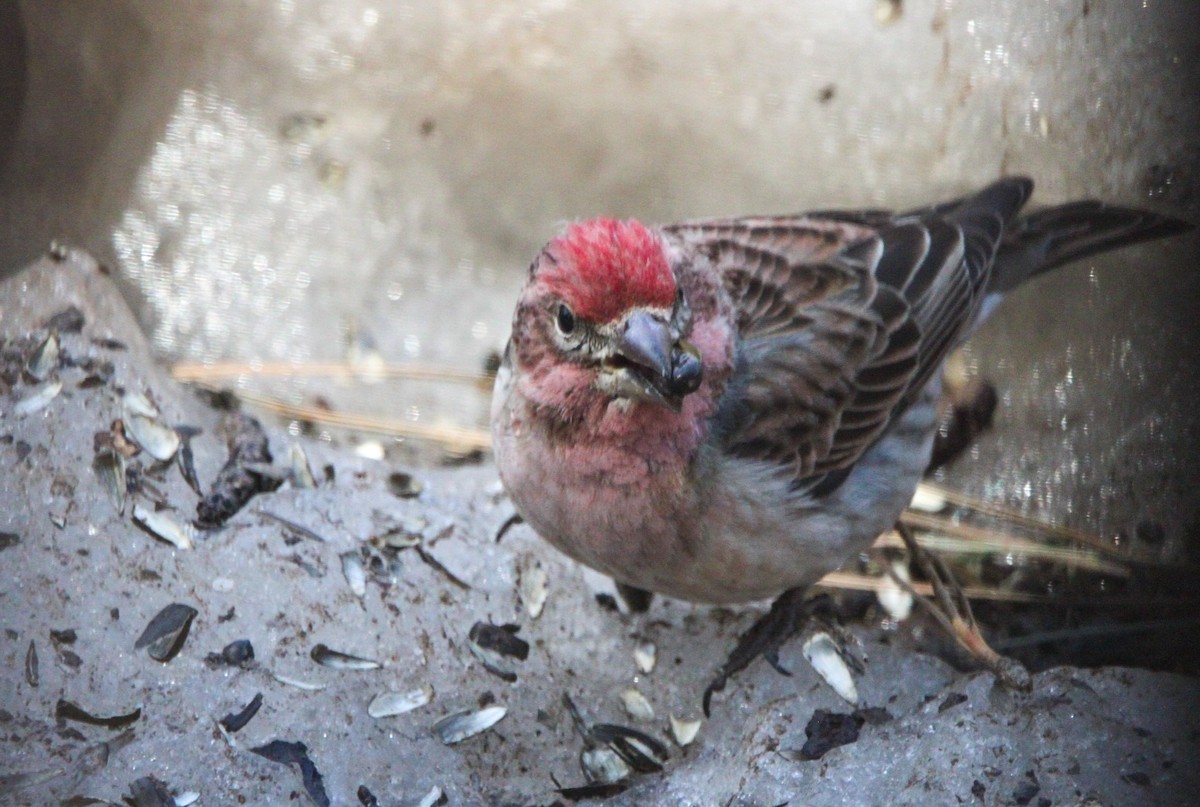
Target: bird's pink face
{"type": "Point", "coordinates": [602, 318]}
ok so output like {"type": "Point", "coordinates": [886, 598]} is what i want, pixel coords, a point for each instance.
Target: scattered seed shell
{"type": "Point", "coordinates": [926, 500]}
{"type": "Point", "coordinates": [431, 798]}
{"type": "Point", "coordinates": [684, 731]}
{"type": "Point", "coordinates": [299, 471]}
{"type": "Point", "coordinates": [237, 653]}
{"type": "Point", "coordinates": [636, 705]}
{"type": "Point", "coordinates": [67, 636]}
{"type": "Point", "coordinates": [69, 320]}
{"type": "Point", "coordinates": [44, 360]}
{"type": "Point", "coordinates": [643, 753]}
{"type": "Point", "coordinates": [186, 459]}
{"type": "Point", "coordinates": [31, 665]}
{"type": "Point", "coordinates": [187, 798]}
{"type": "Point", "coordinates": [892, 596]}
{"type": "Point", "coordinates": [336, 660]}
{"type": "Point", "coordinates": [163, 638]}
{"type": "Point", "coordinates": [39, 399]}
{"type": "Point", "coordinates": [149, 792]}
{"type": "Point", "coordinates": [456, 727]}
{"type": "Point", "coordinates": [404, 485]}
{"type": "Point", "coordinates": [161, 525]}
{"type": "Point", "coordinates": [533, 588]}
{"type": "Point", "coordinates": [155, 437]}
{"type": "Point", "coordinates": [389, 704]}
{"type": "Point", "coordinates": [645, 656]}
{"type": "Point", "coordinates": [355, 572]}
{"type": "Point", "coordinates": [602, 765]}
{"type": "Point", "coordinates": [370, 450]}
{"type": "Point", "coordinates": [596, 791]}
{"type": "Point", "coordinates": [823, 654]}
{"type": "Point", "coordinates": [307, 686]}
{"type": "Point", "coordinates": [493, 645]}
{"type": "Point", "coordinates": [135, 403]}
{"type": "Point", "coordinates": [109, 468]}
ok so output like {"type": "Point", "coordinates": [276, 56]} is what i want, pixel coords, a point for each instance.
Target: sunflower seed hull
{"type": "Point", "coordinates": [822, 653]}
{"type": "Point", "coordinates": [684, 731]}
{"type": "Point", "coordinates": [389, 704]}
{"type": "Point", "coordinates": [335, 660]}
{"type": "Point", "coordinates": [459, 726]}
{"type": "Point", "coordinates": [636, 705]}
{"type": "Point", "coordinates": [161, 525]}
{"type": "Point", "coordinates": [163, 638]}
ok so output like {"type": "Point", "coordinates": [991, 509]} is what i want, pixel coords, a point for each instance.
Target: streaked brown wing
{"type": "Point", "coordinates": [844, 317]}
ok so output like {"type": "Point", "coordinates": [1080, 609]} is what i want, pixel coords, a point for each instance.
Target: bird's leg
{"type": "Point", "coordinates": [638, 599]}
{"type": "Point", "coordinates": [956, 618]}
{"type": "Point", "coordinates": [964, 412]}
{"type": "Point", "coordinates": [788, 614]}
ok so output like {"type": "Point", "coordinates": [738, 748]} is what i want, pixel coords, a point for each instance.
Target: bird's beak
{"type": "Point", "coordinates": [659, 369]}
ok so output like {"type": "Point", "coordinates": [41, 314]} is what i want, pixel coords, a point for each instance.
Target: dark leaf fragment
{"type": "Point", "coordinates": [296, 753]}
{"type": "Point", "coordinates": [9, 539]}
{"type": "Point", "coordinates": [66, 710]}
{"type": "Point", "coordinates": [236, 721]}
{"type": "Point", "coordinates": [149, 792]}
{"type": "Point", "coordinates": [826, 731]}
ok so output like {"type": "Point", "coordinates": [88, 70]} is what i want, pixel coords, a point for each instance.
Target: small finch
{"type": "Point", "coordinates": [726, 410]}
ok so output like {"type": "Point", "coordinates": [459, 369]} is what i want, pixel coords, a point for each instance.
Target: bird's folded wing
{"type": "Point", "coordinates": [844, 317]}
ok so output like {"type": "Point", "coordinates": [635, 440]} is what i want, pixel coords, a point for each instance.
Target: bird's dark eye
{"type": "Point", "coordinates": [564, 319]}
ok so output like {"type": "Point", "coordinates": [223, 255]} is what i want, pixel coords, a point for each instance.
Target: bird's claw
{"type": "Point", "coordinates": [765, 637]}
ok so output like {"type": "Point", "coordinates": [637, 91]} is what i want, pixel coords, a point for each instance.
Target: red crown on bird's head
{"type": "Point", "coordinates": [603, 267]}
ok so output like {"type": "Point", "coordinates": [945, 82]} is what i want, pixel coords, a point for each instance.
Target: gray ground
{"type": "Point", "coordinates": [1109, 736]}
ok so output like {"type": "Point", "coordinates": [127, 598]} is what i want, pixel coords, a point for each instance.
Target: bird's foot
{"type": "Point", "coordinates": [788, 614]}
{"type": "Point", "coordinates": [950, 608]}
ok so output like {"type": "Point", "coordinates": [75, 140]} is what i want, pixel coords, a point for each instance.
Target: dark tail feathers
{"type": "Point", "coordinates": [1049, 238]}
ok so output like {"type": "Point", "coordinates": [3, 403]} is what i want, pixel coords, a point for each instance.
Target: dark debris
{"type": "Point", "coordinates": [236, 721]}
{"type": "Point", "coordinates": [237, 484]}
{"type": "Point", "coordinates": [163, 638]}
{"type": "Point", "coordinates": [296, 753]}
{"type": "Point", "coordinates": [66, 710]}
